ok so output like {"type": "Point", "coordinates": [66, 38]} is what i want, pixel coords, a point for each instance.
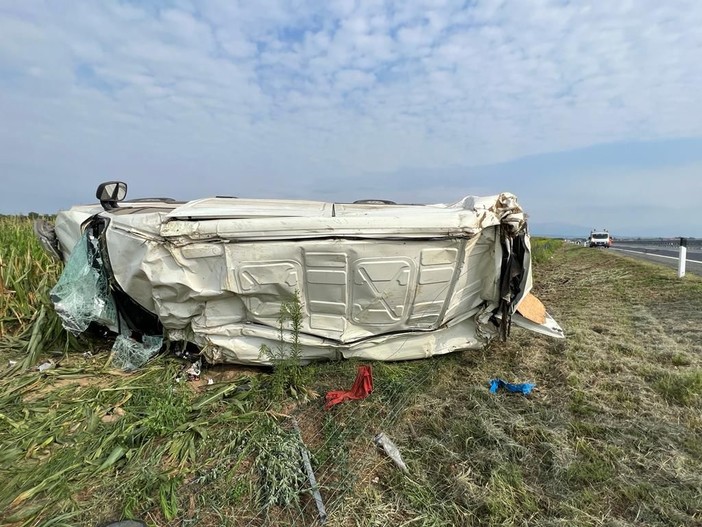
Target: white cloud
{"type": "Point", "coordinates": [243, 93]}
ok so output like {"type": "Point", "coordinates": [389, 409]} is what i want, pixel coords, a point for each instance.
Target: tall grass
{"type": "Point", "coordinates": [98, 444]}
{"type": "Point", "coordinates": [542, 249]}
{"type": "Point", "coordinates": [27, 320]}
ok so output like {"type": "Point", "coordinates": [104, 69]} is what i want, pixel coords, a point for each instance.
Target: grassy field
{"type": "Point", "coordinates": [27, 273]}
{"type": "Point", "coordinates": [611, 436]}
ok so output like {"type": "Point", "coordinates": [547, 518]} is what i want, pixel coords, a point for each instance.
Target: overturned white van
{"type": "Point", "coordinates": [375, 280]}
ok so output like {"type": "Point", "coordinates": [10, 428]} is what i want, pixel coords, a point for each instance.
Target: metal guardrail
{"type": "Point", "coordinates": [690, 243]}
{"type": "Point", "coordinates": [666, 244]}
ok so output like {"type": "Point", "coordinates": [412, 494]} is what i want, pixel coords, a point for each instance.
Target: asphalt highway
{"type": "Point", "coordinates": [665, 256]}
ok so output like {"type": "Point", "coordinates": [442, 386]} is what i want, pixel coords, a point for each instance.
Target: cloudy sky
{"type": "Point", "coordinates": [591, 114]}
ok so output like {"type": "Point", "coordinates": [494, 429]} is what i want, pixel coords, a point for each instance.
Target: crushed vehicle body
{"type": "Point", "coordinates": [375, 280]}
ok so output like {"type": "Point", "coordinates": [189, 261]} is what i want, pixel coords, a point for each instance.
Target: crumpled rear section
{"type": "Point", "coordinates": [509, 213]}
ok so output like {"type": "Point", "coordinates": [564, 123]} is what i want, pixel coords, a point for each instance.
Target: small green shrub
{"type": "Point", "coordinates": [288, 374]}
{"type": "Point", "coordinates": [279, 465]}
{"type": "Point", "coordinates": [164, 412]}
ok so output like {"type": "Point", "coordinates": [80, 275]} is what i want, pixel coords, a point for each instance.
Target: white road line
{"type": "Point", "coordinates": [658, 255]}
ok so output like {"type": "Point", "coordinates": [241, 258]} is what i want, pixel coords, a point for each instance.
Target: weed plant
{"type": "Point", "coordinates": [289, 376]}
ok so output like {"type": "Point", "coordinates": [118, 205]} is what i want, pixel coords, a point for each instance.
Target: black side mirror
{"type": "Point", "coordinates": [110, 193]}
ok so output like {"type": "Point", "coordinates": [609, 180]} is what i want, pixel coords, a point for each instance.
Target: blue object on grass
{"type": "Point", "coordinates": [524, 388]}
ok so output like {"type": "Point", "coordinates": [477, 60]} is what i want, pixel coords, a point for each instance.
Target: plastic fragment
{"type": "Point", "coordinates": [210, 382]}
{"type": "Point", "coordinates": [193, 372]}
{"type": "Point", "coordinates": [12, 363]}
{"type": "Point", "coordinates": [384, 442]}
{"type": "Point", "coordinates": [48, 365]}
{"type": "Point", "coordinates": [524, 388]}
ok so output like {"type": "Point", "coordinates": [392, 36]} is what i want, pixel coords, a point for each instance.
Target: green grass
{"type": "Point", "coordinates": [611, 436]}
{"type": "Point", "coordinates": [542, 249]}
{"type": "Point", "coordinates": [27, 321]}
{"type": "Point", "coordinates": [680, 388]}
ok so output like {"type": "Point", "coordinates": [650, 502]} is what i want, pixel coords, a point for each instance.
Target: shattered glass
{"type": "Point", "coordinates": [82, 294]}
{"type": "Point", "coordinates": [129, 354]}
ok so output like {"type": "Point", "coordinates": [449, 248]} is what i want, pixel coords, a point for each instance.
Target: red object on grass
{"type": "Point", "coordinates": [362, 387]}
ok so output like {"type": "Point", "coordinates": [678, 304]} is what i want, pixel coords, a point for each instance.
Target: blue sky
{"type": "Point", "coordinates": [589, 112]}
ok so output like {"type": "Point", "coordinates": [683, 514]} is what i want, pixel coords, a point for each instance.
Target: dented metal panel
{"type": "Point", "coordinates": [383, 282]}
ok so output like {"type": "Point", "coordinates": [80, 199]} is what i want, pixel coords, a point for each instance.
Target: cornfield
{"type": "Point", "coordinates": [27, 273]}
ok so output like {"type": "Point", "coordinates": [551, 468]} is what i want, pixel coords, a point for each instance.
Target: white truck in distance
{"type": "Point", "coordinates": [600, 239]}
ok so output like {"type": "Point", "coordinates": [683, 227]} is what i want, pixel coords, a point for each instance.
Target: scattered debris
{"type": "Point", "coordinates": [210, 381]}
{"type": "Point", "coordinates": [48, 365]}
{"type": "Point", "coordinates": [193, 372]}
{"type": "Point", "coordinates": [12, 363]}
{"type": "Point", "coordinates": [362, 388]}
{"type": "Point", "coordinates": [113, 415]}
{"type": "Point", "coordinates": [182, 351]}
{"type": "Point", "coordinates": [524, 388]}
{"type": "Point", "coordinates": [310, 474]}
{"type": "Point", "coordinates": [130, 354]}
{"type": "Point", "coordinates": [384, 442]}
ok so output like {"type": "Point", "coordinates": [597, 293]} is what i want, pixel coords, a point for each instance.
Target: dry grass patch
{"type": "Point", "coordinates": [611, 435]}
